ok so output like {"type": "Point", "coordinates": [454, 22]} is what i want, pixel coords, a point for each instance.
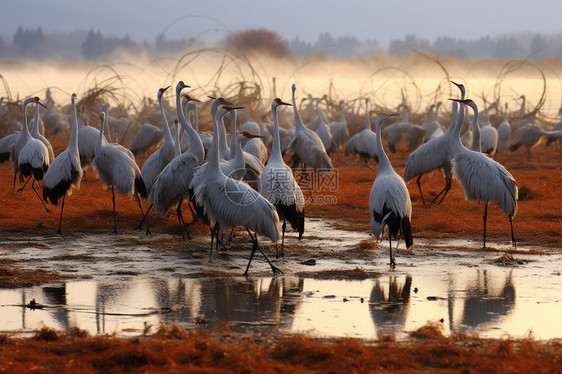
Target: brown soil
{"type": "Point", "coordinates": [538, 225]}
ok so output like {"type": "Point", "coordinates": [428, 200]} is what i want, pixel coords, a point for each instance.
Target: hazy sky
{"type": "Point", "coordinates": [364, 19]}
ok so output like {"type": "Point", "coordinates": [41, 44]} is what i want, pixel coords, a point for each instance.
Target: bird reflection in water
{"type": "Point", "coordinates": [389, 312]}
{"type": "Point", "coordinates": [486, 304]}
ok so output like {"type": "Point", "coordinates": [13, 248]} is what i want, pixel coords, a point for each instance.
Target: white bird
{"type": "Point", "coordinates": [364, 143]}
{"type": "Point", "coordinates": [488, 139]}
{"type": "Point", "coordinates": [36, 132]}
{"type": "Point", "coordinates": [227, 202]}
{"type": "Point", "coordinates": [323, 130]}
{"type": "Point", "coordinates": [389, 200]}
{"type": "Point", "coordinates": [87, 141]}
{"type": "Point", "coordinates": [171, 186]}
{"type": "Point", "coordinates": [22, 139]}
{"type": "Point", "coordinates": [531, 135]}
{"type": "Point", "coordinates": [33, 158]}
{"type": "Point", "coordinates": [482, 178]}
{"type": "Point", "coordinates": [339, 129]}
{"type": "Point", "coordinates": [117, 169]}
{"type": "Point", "coordinates": [163, 155]}
{"type": "Point", "coordinates": [252, 164]}
{"type": "Point", "coordinates": [64, 173]}
{"type": "Point", "coordinates": [435, 154]}
{"type": "Point", "coordinates": [147, 137]}
{"type": "Point", "coordinates": [278, 185]}
{"type": "Point", "coordinates": [504, 133]}
{"type": "Point", "coordinates": [307, 147]}
{"type": "Point", "coordinates": [256, 148]}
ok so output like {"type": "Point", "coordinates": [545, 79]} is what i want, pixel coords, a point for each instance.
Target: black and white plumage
{"type": "Point", "coordinates": [278, 185]}
{"type": "Point", "coordinates": [33, 157]}
{"type": "Point", "coordinates": [389, 201]}
{"type": "Point", "coordinates": [364, 143]}
{"type": "Point", "coordinates": [171, 186]}
{"type": "Point", "coordinates": [435, 154]}
{"type": "Point", "coordinates": [22, 139]}
{"type": "Point", "coordinates": [6, 145]}
{"type": "Point", "coordinates": [307, 147]}
{"type": "Point", "coordinates": [227, 202]}
{"type": "Point", "coordinates": [483, 179]}
{"type": "Point", "coordinates": [504, 133]}
{"type": "Point", "coordinates": [64, 173]}
{"type": "Point", "coordinates": [163, 155]}
{"type": "Point", "coordinates": [117, 169]}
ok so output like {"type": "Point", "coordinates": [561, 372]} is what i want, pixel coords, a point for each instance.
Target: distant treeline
{"type": "Point", "coordinates": [93, 45]}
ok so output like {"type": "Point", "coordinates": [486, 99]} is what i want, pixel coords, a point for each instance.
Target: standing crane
{"type": "Point", "coordinates": [389, 201]}
{"type": "Point", "coordinates": [482, 178]}
{"type": "Point", "coordinates": [228, 202]}
{"type": "Point", "coordinates": [64, 173]}
{"type": "Point", "coordinates": [278, 185]}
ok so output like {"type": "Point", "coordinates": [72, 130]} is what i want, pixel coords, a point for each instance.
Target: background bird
{"type": "Point", "coordinates": [117, 169]}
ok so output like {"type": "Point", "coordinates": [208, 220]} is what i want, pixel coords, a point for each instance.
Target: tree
{"type": "Point", "coordinates": [260, 40]}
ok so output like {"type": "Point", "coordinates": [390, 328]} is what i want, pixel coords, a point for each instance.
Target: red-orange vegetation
{"type": "Point", "coordinates": [219, 350]}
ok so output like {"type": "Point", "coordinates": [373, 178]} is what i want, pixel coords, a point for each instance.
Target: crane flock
{"type": "Point", "coordinates": [251, 184]}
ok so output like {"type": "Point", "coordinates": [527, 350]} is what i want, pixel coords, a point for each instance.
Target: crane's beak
{"type": "Point", "coordinates": [222, 100]}
{"type": "Point", "coordinates": [250, 136]}
{"type": "Point", "coordinates": [164, 89]}
{"type": "Point", "coordinates": [229, 108]}
{"type": "Point", "coordinates": [456, 84]}
{"type": "Point", "coordinates": [283, 103]}
{"type": "Point", "coordinates": [189, 98]}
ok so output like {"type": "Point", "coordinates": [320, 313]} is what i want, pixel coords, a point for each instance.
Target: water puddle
{"type": "Point", "coordinates": [137, 283]}
{"type": "Point", "coordinates": [489, 301]}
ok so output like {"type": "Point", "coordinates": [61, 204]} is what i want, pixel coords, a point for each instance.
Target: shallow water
{"type": "Point", "coordinates": [137, 284]}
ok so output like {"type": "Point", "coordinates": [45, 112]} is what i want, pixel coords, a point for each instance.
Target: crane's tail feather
{"type": "Point", "coordinates": [407, 231]}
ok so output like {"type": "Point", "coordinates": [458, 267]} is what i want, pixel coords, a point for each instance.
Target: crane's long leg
{"type": "Point", "coordinates": [512, 235]}
{"type": "Point", "coordinates": [194, 217]}
{"type": "Point", "coordinates": [140, 205]}
{"type": "Point", "coordinates": [392, 263]}
{"type": "Point", "coordinates": [40, 199]}
{"type": "Point", "coordinates": [282, 240]}
{"type": "Point", "coordinates": [182, 222]}
{"type": "Point", "coordinates": [212, 239]}
{"type": "Point", "coordinates": [418, 181]}
{"type": "Point", "coordinates": [445, 191]}
{"type": "Point", "coordinates": [143, 218]}
{"type": "Point", "coordinates": [485, 217]}
{"type": "Point", "coordinates": [114, 214]}
{"type": "Point", "coordinates": [25, 184]}
{"type": "Point", "coordinates": [61, 209]}
{"type": "Point", "coordinates": [257, 246]}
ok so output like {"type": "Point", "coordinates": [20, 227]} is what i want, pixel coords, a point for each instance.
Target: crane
{"type": "Point", "coordinates": [278, 185]}
{"type": "Point", "coordinates": [389, 200]}
{"type": "Point", "coordinates": [64, 173]}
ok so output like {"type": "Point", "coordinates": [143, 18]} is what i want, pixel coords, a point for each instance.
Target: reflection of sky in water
{"type": "Point", "coordinates": [491, 301]}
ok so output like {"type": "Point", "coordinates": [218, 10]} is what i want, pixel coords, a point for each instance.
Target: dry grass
{"type": "Point", "coordinates": [219, 350]}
